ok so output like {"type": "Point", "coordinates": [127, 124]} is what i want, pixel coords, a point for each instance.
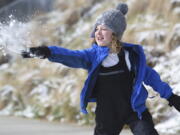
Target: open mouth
{"type": "Point", "coordinates": [100, 38]}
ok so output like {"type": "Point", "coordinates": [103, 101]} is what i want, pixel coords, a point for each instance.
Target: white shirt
{"type": "Point", "coordinates": [113, 59]}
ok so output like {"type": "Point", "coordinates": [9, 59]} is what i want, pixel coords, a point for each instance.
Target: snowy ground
{"type": "Point", "coordinates": [20, 126]}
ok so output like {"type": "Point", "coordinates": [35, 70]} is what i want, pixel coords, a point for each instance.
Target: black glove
{"type": "Point", "coordinates": [174, 100]}
{"type": "Point", "coordinates": [41, 52]}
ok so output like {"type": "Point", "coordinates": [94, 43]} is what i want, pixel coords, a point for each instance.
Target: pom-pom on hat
{"type": "Point", "coordinates": [113, 19]}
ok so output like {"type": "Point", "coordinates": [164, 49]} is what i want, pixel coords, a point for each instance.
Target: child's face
{"type": "Point", "coordinates": [103, 35]}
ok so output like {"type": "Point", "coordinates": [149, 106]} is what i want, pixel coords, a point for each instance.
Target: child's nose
{"type": "Point", "coordinates": [99, 31]}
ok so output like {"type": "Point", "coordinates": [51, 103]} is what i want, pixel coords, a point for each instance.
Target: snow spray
{"type": "Point", "coordinates": [14, 37]}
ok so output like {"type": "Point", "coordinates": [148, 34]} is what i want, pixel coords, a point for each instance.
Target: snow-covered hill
{"type": "Point", "coordinates": [36, 88]}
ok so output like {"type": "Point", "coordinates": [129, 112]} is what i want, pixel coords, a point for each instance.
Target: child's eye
{"type": "Point", "coordinates": [102, 29]}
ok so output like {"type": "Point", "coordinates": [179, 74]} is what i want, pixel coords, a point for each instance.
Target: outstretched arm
{"type": "Point", "coordinates": [71, 58]}
{"type": "Point", "coordinates": [153, 79]}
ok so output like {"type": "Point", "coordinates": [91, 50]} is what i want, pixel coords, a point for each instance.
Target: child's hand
{"type": "Point", "coordinates": [174, 100]}
{"type": "Point", "coordinates": [26, 54]}
{"type": "Point", "coordinates": [41, 52]}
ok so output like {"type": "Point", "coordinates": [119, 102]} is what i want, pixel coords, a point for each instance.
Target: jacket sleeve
{"type": "Point", "coordinates": [71, 58]}
{"type": "Point", "coordinates": [153, 79]}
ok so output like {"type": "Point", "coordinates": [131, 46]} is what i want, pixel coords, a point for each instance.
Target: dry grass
{"type": "Point", "coordinates": [43, 71]}
{"type": "Point", "coordinates": [137, 8]}
{"type": "Point", "coordinates": [137, 14]}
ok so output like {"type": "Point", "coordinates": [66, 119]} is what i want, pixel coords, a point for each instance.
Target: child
{"type": "Point", "coordinates": [116, 73]}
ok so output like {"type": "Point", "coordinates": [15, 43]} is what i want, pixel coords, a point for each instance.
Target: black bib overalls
{"type": "Point", "coordinates": [113, 92]}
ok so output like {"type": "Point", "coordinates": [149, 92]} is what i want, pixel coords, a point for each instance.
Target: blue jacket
{"type": "Point", "coordinates": [91, 58]}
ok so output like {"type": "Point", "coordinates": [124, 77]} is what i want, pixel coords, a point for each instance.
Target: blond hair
{"type": "Point", "coordinates": [115, 44]}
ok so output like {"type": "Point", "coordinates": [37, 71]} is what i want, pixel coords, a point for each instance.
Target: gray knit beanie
{"type": "Point", "coordinates": [113, 19]}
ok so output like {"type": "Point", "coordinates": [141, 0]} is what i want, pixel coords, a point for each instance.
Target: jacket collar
{"type": "Point", "coordinates": [101, 52]}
